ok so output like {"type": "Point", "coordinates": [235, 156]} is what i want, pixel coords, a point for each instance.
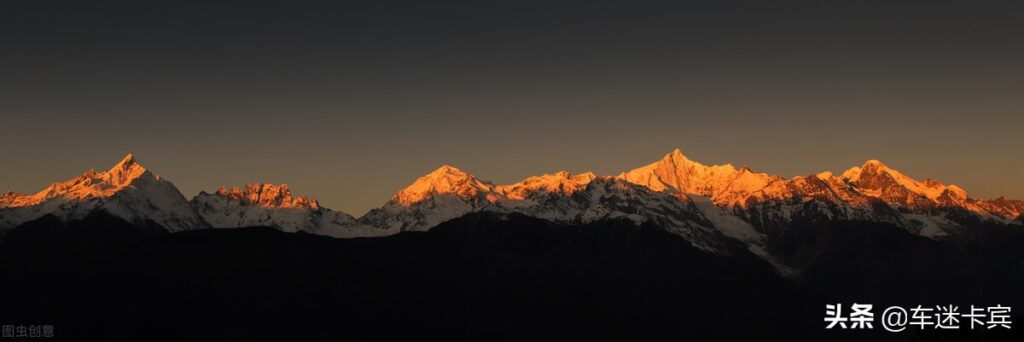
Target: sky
{"type": "Point", "coordinates": [348, 102]}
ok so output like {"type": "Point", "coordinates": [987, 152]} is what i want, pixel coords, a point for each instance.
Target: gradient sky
{"type": "Point", "coordinates": [350, 102]}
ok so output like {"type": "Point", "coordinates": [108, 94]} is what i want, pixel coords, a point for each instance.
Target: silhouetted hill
{"type": "Point", "coordinates": [481, 277]}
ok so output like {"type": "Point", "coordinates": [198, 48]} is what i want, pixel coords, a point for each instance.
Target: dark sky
{"type": "Point", "coordinates": [350, 101]}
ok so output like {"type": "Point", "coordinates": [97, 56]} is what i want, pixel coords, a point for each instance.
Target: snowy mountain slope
{"type": "Point", "coordinates": [539, 188]}
{"type": "Point", "coordinates": [262, 204]}
{"type": "Point", "coordinates": [1004, 207]}
{"type": "Point", "coordinates": [878, 180]}
{"type": "Point", "coordinates": [439, 196]}
{"type": "Point", "coordinates": [933, 208]}
{"type": "Point", "coordinates": [676, 172]}
{"type": "Point", "coordinates": [818, 198]}
{"type": "Point", "coordinates": [745, 204]}
{"type": "Point", "coordinates": [872, 192]}
{"type": "Point", "coordinates": [126, 190]}
{"type": "Point", "coordinates": [688, 197]}
{"type": "Point", "coordinates": [605, 198]}
{"type": "Point", "coordinates": [448, 193]}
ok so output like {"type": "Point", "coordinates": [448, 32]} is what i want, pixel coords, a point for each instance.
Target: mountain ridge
{"type": "Point", "coordinates": [707, 204]}
{"type": "Point", "coordinates": [127, 190]}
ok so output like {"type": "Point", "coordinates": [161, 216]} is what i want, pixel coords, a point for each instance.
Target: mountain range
{"type": "Point", "coordinates": [672, 250]}
{"type": "Point", "coordinates": [716, 208]}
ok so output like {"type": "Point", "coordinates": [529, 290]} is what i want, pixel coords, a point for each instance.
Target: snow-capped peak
{"type": "Point", "coordinates": [126, 170]}
{"type": "Point", "coordinates": [874, 176]}
{"type": "Point", "coordinates": [561, 183]}
{"type": "Point", "coordinates": [874, 163]}
{"type": "Point", "coordinates": [91, 184]}
{"type": "Point", "coordinates": [676, 154]}
{"type": "Point", "coordinates": [677, 173]}
{"type": "Point", "coordinates": [127, 190]}
{"type": "Point", "coordinates": [871, 165]}
{"type": "Point", "coordinates": [447, 180]}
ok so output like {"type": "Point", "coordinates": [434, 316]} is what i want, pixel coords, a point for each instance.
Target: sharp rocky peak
{"type": "Point", "coordinates": [447, 171]}
{"type": "Point", "coordinates": [267, 195]}
{"type": "Point", "coordinates": [873, 163]}
{"type": "Point", "coordinates": [675, 155]}
{"type": "Point", "coordinates": [89, 184]}
{"type": "Point", "coordinates": [676, 172]}
{"type": "Point", "coordinates": [127, 190]}
{"type": "Point", "coordinates": [127, 162]}
{"type": "Point", "coordinates": [126, 170]}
